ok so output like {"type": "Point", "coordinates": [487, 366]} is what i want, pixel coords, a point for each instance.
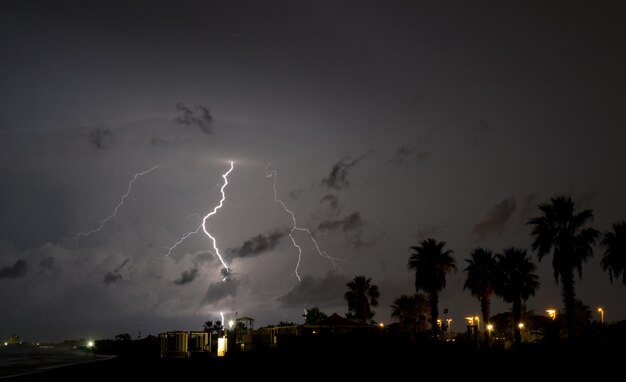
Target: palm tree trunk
{"type": "Point", "coordinates": [569, 300]}
{"type": "Point", "coordinates": [434, 312]}
{"type": "Point", "coordinates": [485, 308]}
{"type": "Point", "coordinates": [517, 316]}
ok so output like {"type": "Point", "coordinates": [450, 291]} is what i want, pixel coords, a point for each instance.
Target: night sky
{"type": "Point", "coordinates": [387, 123]}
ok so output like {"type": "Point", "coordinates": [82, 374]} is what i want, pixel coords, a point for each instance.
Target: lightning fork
{"type": "Point", "coordinates": [273, 174]}
{"type": "Point", "coordinates": [118, 206]}
{"type": "Point", "coordinates": [203, 227]}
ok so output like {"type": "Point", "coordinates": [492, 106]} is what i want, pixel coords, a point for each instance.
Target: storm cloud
{"type": "Point", "coordinates": [187, 276]}
{"type": "Point", "coordinates": [346, 224]}
{"type": "Point", "coordinates": [114, 276]}
{"type": "Point", "coordinates": [332, 201]}
{"type": "Point", "coordinates": [406, 154]}
{"type": "Point", "coordinates": [101, 139]}
{"type": "Point", "coordinates": [338, 177]}
{"type": "Point", "coordinates": [17, 270]}
{"type": "Point", "coordinates": [199, 116]}
{"type": "Point", "coordinates": [220, 290]}
{"type": "Point", "coordinates": [258, 244]}
{"type": "Point", "coordinates": [496, 219]}
{"type": "Point", "coordinates": [327, 290]}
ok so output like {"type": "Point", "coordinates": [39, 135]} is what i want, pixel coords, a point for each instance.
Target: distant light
{"type": "Point", "coordinates": [520, 325]}
{"type": "Point", "coordinates": [90, 344]}
{"type": "Point", "coordinates": [490, 327]}
{"type": "Point", "coordinates": [382, 325]}
{"type": "Point", "coordinates": [551, 313]}
{"type": "Point", "coordinates": [6, 344]}
{"type": "Point", "coordinates": [600, 310]}
{"type": "Point", "coordinates": [221, 346]}
{"type": "Point", "coordinates": [231, 323]}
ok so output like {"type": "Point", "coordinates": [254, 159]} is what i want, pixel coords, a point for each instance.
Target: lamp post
{"type": "Point", "coordinates": [601, 310]}
{"type": "Point", "coordinates": [551, 313]}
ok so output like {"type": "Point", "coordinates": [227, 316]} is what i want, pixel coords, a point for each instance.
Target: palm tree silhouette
{"type": "Point", "coordinates": [431, 264]}
{"type": "Point", "coordinates": [412, 312]}
{"type": "Point", "coordinates": [361, 296]}
{"type": "Point", "coordinates": [561, 230]}
{"type": "Point", "coordinates": [481, 273]}
{"type": "Point", "coordinates": [516, 282]}
{"type": "Point", "coordinates": [614, 259]}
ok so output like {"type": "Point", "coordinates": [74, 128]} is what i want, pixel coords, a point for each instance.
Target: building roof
{"type": "Point", "coordinates": [337, 320]}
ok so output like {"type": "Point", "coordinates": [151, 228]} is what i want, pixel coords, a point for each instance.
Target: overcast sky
{"type": "Point", "coordinates": [386, 123]}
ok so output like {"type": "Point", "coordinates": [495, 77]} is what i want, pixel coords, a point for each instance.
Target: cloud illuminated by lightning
{"type": "Point", "coordinates": [118, 206]}
{"type": "Point", "coordinates": [203, 227]}
{"type": "Point", "coordinates": [273, 174]}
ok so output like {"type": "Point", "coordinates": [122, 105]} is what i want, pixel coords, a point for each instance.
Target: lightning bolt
{"type": "Point", "coordinates": [118, 206]}
{"type": "Point", "coordinates": [294, 227]}
{"type": "Point", "coordinates": [203, 225]}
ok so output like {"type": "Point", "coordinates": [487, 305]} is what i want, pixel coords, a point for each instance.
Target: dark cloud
{"type": "Point", "coordinates": [333, 202]}
{"type": "Point", "coordinates": [496, 219]}
{"type": "Point", "coordinates": [405, 154]}
{"type": "Point", "coordinates": [187, 276]}
{"type": "Point", "coordinates": [349, 223]}
{"type": "Point", "coordinates": [258, 244]}
{"type": "Point", "coordinates": [327, 290]}
{"type": "Point", "coordinates": [111, 278]}
{"type": "Point", "coordinates": [295, 194]}
{"type": "Point", "coordinates": [114, 275]}
{"type": "Point", "coordinates": [47, 263]}
{"type": "Point", "coordinates": [101, 139]}
{"type": "Point", "coordinates": [199, 116]}
{"type": "Point", "coordinates": [338, 176]}
{"type": "Point", "coordinates": [219, 290]}
{"type": "Point", "coordinates": [429, 231]}
{"type": "Point", "coordinates": [17, 270]}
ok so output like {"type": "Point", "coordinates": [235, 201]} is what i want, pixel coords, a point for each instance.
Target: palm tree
{"type": "Point", "coordinates": [431, 264]}
{"type": "Point", "coordinates": [561, 230]}
{"type": "Point", "coordinates": [412, 312]}
{"type": "Point", "coordinates": [360, 297]}
{"type": "Point", "coordinates": [614, 259]}
{"type": "Point", "coordinates": [313, 315]}
{"type": "Point", "coordinates": [516, 282]}
{"type": "Point", "coordinates": [481, 272]}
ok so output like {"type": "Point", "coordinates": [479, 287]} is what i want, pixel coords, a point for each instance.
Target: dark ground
{"type": "Point", "coordinates": [346, 363]}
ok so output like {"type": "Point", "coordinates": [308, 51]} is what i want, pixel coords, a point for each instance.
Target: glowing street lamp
{"type": "Point", "coordinates": [489, 329]}
{"type": "Point", "coordinates": [382, 325]}
{"type": "Point", "coordinates": [90, 344]}
{"type": "Point", "coordinates": [601, 314]}
{"type": "Point", "coordinates": [520, 325]}
{"type": "Point", "coordinates": [551, 313]}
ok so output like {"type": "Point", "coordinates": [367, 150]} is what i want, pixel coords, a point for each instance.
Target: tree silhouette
{"type": "Point", "coordinates": [314, 315]}
{"type": "Point", "coordinates": [614, 259]}
{"type": "Point", "coordinates": [360, 297]}
{"type": "Point", "coordinates": [561, 230]}
{"type": "Point", "coordinates": [412, 312]}
{"type": "Point", "coordinates": [431, 265]}
{"type": "Point", "coordinates": [481, 279]}
{"type": "Point", "coordinates": [516, 282]}
{"type": "Point", "coordinates": [213, 327]}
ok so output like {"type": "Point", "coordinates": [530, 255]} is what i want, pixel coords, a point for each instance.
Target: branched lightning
{"type": "Point", "coordinates": [273, 174]}
{"type": "Point", "coordinates": [203, 226]}
{"type": "Point", "coordinates": [118, 206]}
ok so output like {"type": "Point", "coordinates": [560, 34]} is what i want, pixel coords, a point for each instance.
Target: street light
{"type": "Point", "coordinates": [601, 315]}
{"type": "Point", "coordinates": [520, 325]}
{"type": "Point", "coordinates": [551, 313]}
